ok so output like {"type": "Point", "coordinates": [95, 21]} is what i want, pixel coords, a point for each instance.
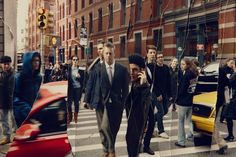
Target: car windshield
{"type": "Point", "coordinates": [212, 68]}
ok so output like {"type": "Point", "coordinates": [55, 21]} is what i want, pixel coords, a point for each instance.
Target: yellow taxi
{"type": "Point", "coordinates": [204, 112]}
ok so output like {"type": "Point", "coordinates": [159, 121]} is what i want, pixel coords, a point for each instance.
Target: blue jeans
{"type": "Point", "coordinates": [184, 113]}
{"type": "Point", "coordinates": [6, 116]}
{"type": "Point", "coordinates": [162, 109]}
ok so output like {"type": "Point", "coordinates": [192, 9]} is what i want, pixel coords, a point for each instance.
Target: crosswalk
{"type": "Point", "coordinates": [85, 140]}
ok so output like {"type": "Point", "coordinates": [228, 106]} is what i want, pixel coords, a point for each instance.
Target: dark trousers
{"type": "Point", "coordinates": [151, 123]}
{"type": "Point", "coordinates": [106, 135]}
{"type": "Point", "coordinates": [162, 109]}
{"type": "Point", "coordinates": [74, 96]}
{"type": "Point", "coordinates": [230, 126]}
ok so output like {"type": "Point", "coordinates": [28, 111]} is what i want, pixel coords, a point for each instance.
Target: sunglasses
{"type": "Point", "coordinates": [74, 59]}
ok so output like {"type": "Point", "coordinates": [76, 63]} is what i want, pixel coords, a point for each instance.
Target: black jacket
{"type": "Point", "coordinates": [223, 81]}
{"type": "Point", "coordinates": [118, 90]}
{"type": "Point", "coordinates": [137, 105]}
{"type": "Point", "coordinates": [7, 84]}
{"type": "Point", "coordinates": [161, 76]}
{"type": "Point", "coordinates": [91, 83]}
{"type": "Point", "coordinates": [173, 81]}
{"type": "Point", "coordinates": [184, 98]}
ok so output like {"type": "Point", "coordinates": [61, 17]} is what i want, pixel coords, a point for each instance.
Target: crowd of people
{"type": "Point", "coordinates": [145, 90]}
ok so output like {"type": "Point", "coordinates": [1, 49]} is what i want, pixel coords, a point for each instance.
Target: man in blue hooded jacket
{"type": "Point", "coordinates": [27, 84]}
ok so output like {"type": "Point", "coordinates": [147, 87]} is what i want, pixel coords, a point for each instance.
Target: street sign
{"type": "Point", "coordinates": [83, 36]}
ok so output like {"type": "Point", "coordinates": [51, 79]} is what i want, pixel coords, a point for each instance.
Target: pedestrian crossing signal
{"type": "Point", "coordinates": [42, 18]}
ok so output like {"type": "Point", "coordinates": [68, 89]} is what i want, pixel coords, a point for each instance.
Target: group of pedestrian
{"type": "Point", "coordinates": [58, 72]}
{"type": "Point", "coordinates": [18, 92]}
{"type": "Point", "coordinates": [107, 93]}
{"type": "Point", "coordinates": [145, 90]}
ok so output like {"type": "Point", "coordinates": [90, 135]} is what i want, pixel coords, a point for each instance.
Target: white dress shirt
{"type": "Point", "coordinates": [108, 69]}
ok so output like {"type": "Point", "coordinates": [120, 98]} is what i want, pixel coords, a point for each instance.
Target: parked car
{"type": "Point", "coordinates": [203, 117]}
{"type": "Point", "coordinates": [44, 132]}
{"type": "Point", "coordinates": [208, 78]}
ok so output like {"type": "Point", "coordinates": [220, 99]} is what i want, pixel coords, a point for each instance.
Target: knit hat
{"type": "Point", "coordinates": [5, 59]}
{"type": "Point", "coordinates": [137, 59]}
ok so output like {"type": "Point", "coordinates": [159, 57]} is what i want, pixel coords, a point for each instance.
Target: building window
{"type": "Point", "coordinates": [100, 19]}
{"type": "Point", "coordinates": [76, 28]}
{"type": "Point", "coordinates": [123, 12]}
{"type": "Point", "coordinates": [90, 22]}
{"type": "Point", "coordinates": [69, 55]}
{"type": "Point", "coordinates": [157, 36]}
{"type": "Point", "coordinates": [90, 1]}
{"type": "Point", "coordinates": [82, 52]}
{"type": "Point", "coordinates": [138, 43]}
{"type": "Point", "coordinates": [82, 3]}
{"type": "Point", "coordinates": [76, 5]}
{"type": "Point", "coordinates": [69, 30]}
{"type": "Point", "coordinates": [122, 46]}
{"type": "Point", "coordinates": [110, 40]}
{"type": "Point", "coordinates": [91, 50]}
{"type": "Point", "coordinates": [63, 36]}
{"type": "Point", "coordinates": [156, 9]}
{"type": "Point", "coordinates": [82, 22]}
{"type": "Point", "coordinates": [110, 15]}
{"type": "Point", "coordinates": [139, 10]}
{"type": "Point", "coordinates": [76, 50]}
{"type": "Point", "coordinates": [69, 10]}
{"type": "Point", "coordinates": [60, 12]}
{"type": "Point", "coordinates": [63, 10]}
{"type": "Point", "coordinates": [60, 32]}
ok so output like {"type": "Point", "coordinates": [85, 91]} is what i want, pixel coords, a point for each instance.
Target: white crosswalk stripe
{"type": "Point", "coordinates": [84, 138]}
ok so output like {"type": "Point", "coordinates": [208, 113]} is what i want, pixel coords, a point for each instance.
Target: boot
{"type": "Point", "coordinates": [76, 117]}
{"type": "Point", "coordinates": [69, 117]}
{"type": "Point", "coordinates": [111, 155]}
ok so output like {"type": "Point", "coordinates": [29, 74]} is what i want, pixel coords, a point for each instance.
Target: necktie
{"type": "Point", "coordinates": [110, 74]}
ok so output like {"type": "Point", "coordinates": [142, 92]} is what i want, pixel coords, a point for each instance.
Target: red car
{"type": "Point", "coordinates": [44, 132]}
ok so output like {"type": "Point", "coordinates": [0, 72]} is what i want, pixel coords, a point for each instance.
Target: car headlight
{"type": "Point", "coordinates": [213, 114]}
{"type": "Point", "coordinates": [70, 154]}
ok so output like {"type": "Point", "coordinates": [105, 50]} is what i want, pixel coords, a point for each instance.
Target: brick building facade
{"type": "Point", "coordinates": [171, 25]}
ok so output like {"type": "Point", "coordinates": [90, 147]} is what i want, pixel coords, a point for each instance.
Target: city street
{"type": "Point", "coordinates": [85, 141]}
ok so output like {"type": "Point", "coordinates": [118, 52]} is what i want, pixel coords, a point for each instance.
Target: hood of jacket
{"type": "Point", "coordinates": [27, 63]}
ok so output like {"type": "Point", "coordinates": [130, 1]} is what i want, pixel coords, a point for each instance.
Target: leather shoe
{"type": "Point", "coordinates": [111, 155]}
{"type": "Point", "coordinates": [179, 145]}
{"type": "Point", "coordinates": [229, 138]}
{"type": "Point", "coordinates": [222, 150]}
{"type": "Point", "coordinates": [149, 151]}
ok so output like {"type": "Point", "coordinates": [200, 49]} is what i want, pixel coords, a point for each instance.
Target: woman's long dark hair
{"type": "Point", "coordinates": [190, 66]}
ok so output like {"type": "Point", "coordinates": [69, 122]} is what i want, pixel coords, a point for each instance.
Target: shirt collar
{"type": "Point", "coordinates": [107, 66]}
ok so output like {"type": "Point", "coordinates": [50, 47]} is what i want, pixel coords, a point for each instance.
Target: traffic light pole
{"type": "Point", "coordinates": [42, 54]}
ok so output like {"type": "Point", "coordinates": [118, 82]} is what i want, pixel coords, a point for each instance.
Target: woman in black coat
{"type": "Point", "coordinates": [224, 72]}
{"type": "Point", "coordinates": [230, 112]}
{"type": "Point", "coordinates": [187, 76]}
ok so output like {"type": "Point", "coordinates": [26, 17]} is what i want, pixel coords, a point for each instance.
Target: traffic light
{"type": "Point", "coordinates": [42, 18]}
{"type": "Point", "coordinates": [49, 18]}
